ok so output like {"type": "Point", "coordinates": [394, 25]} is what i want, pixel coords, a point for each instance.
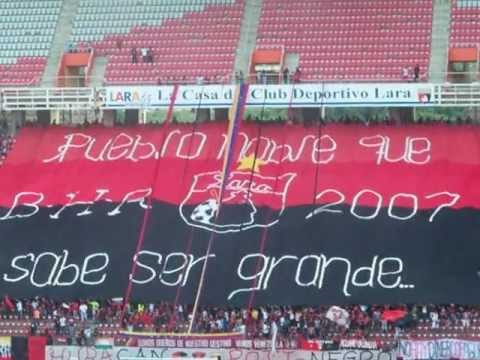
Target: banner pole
{"type": "Point", "coordinates": [172, 321]}
{"type": "Point", "coordinates": [264, 236]}
{"type": "Point", "coordinates": [146, 214]}
{"type": "Point", "coordinates": [236, 114]}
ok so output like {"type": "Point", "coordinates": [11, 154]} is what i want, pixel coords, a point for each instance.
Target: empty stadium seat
{"type": "Point", "coordinates": [26, 33]}
{"type": "Point", "coordinates": [465, 23]}
{"type": "Point", "coordinates": [188, 39]}
{"type": "Point", "coordinates": [350, 39]}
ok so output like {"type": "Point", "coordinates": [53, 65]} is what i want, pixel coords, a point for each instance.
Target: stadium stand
{"type": "Point", "coordinates": [186, 39]}
{"type": "Point", "coordinates": [350, 40]}
{"type": "Point", "coordinates": [165, 41]}
{"type": "Point", "coordinates": [27, 30]}
{"type": "Point", "coordinates": [296, 323]}
{"type": "Point", "coordinates": [465, 25]}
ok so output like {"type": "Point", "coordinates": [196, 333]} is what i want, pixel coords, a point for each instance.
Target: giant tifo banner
{"type": "Point", "coordinates": [145, 353]}
{"type": "Point", "coordinates": [295, 95]}
{"type": "Point", "coordinates": [334, 214]}
{"type": "Point", "coordinates": [439, 349]}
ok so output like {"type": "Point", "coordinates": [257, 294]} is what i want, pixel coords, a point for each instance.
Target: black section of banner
{"type": "Point", "coordinates": [330, 258]}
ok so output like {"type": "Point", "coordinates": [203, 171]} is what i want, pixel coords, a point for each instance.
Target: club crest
{"type": "Point", "coordinates": [244, 195]}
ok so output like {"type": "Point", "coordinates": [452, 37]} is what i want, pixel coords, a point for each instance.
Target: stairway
{"type": "Point", "coordinates": [62, 34]}
{"type": "Point", "coordinates": [98, 71]}
{"type": "Point", "coordinates": [440, 40]}
{"type": "Point", "coordinates": [248, 34]}
{"type": "Point", "coordinates": [292, 61]}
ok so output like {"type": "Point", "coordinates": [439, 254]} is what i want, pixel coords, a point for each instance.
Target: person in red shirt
{"type": "Point", "coordinates": [73, 309]}
{"type": "Point", "coordinates": [297, 75]}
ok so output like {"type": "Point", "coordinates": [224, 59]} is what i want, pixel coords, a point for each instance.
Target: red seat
{"type": "Point", "coordinates": [341, 34]}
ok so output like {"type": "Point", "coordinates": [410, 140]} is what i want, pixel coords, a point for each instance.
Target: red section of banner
{"type": "Point", "coordinates": [36, 347]}
{"type": "Point", "coordinates": [424, 167]}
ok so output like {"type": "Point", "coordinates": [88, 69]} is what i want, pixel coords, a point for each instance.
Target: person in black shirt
{"type": "Point", "coordinates": [134, 55]}
{"type": "Point", "coordinates": [416, 73]}
{"type": "Point", "coordinates": [286, 75]}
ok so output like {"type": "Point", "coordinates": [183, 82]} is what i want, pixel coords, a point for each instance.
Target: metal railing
{"type": "Point", "coordinates": [48, 98]}
{"type": "Point", "coordinates": [457, 95]}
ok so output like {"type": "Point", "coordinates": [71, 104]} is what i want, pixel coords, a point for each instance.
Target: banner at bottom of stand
{"type": "Point", "coordinates": [149, 353]}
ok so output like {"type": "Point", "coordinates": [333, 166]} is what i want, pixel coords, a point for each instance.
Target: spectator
{"type": "Point", "coordinates": [241, 77]}
{"type": "Point", "coordinates": [416, 73]}
{"type": "Point", "coordinates": [434, 319]}
{"type": "Point", "coordinates": [466, 319]}
{"type": "Point", "coordinates": [149, 56]}
{"type": "Point", "coordinates": [94, 306]}
{"type": "Point", "coordinates": [259, 77]}
{"type": "Point", "coordinates": [33, 328]}
{"type": "Point", "coordinates": [83, 308]}
{"type": "Point", "coordinates": [74, 309]}
{"type": "Point", "coordinates": [286, 76]}
{"type": "Point", "coordinates": [405, 73]}
{"type": "Point", "coordinates": [87, 336]}
{"type": "Point", "coordinates": [71, 329]}
{"type": "Point", "coordinates": [19, 306]}
{"type": "Point", "coordinates": [264, 77]}
{"type": "Point", "coordinates": [133, 53]}
{"type": "Point", "coordinates": [62, 325]}
{"type": "Point", "coordinates": [144, 54]}
{"type": "Point", "coordinates": [297, 75]}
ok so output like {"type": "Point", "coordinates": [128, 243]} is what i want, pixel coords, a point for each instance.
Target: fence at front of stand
{"type": "Point", "coordinates": [457, 95]}
{"type": "Point", "coordinates": [47, 98]}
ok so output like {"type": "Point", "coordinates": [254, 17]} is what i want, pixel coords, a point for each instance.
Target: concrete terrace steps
{"type": "Point", "coordinates": [248, 34]}
{"type": "Point", "coordinates": [440, 40]}
{"type": "Point", "coordinates": [98, 71]}
{"type": "Point", "coordinates": [62, 34]}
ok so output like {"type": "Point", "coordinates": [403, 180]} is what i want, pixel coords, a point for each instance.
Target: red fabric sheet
{"type": "Point", "coordinates": [430, 162]}
{"type": "Point", "coordinates": [36, 347]}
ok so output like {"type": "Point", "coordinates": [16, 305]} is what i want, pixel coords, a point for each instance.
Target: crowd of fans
{"type": "Point", "coordinates": [370, 121]}
{"type": "Point", "coordinates": [292, 120]}
{"type": "Point", "coordinates": [81, 319]}
{"type": "Point", "coordinates": [6, 142]}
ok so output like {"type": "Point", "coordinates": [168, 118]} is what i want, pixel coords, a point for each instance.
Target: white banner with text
{"type": "Point", "coordinates": [439, 349]}
{"type": "Point", "coordinates": [281, 96]}
{"type": "Point", "coordinates": [145, 353]}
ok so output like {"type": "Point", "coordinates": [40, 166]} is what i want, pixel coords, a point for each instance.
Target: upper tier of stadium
{"type": "Point", "coordinates": [352, 40]}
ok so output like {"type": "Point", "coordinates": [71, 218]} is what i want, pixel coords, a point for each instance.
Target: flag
{"type": "Point", "coordinates": [312, 345]}
{"type": "Point", "coordinates": [9, 303]}
{"type": "Point", "coordinates": [274, 336]}
{"type": "Point", "coordinates": [235, 116]}
{"type": "Point", "coordinates": [393, 315]}
{"type": "Point", "coordinates": [104, 343]}
{"type": "Point", "coordinates": [338, 315]}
